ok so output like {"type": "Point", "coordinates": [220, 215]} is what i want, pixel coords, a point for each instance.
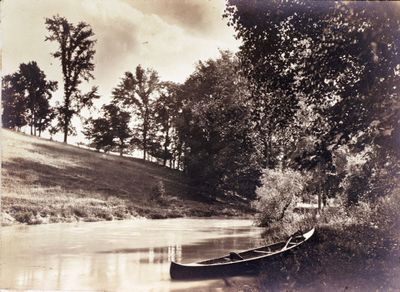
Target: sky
{"type": "Point", "coordinates": [170, 36]}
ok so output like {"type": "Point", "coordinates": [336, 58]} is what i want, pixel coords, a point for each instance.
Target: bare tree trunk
{"type": "Point", "coordinates": [144, 141]}
{"type": "Point", "coordinates": [166, 147]}
{"type": "Point", "coordinates": [32, 122]}
{"type": "Point", "coordinates": [66, 113]}
{"type": "Point", "coordinates": [65, 133]}
{"type": "Point", "coordinates": [121, 148]}
{"type": "Point", "coordinates": [319, 189]}
{"type": "Point", "coordinates": [319, 201]}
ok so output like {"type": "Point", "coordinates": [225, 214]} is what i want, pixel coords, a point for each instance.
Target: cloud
{"type": "Point", "coordinates": [169, 36]}
{"type": "Point", "coordinates": [196, 16]}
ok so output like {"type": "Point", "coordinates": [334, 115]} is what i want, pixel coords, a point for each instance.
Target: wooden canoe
{"type": "Point", "coordinates": [241, 263]}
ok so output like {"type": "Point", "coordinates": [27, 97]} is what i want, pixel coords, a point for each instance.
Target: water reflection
{"type": "Point", "coordinates": [115, 255]}
{"type": "Point", "coordinates": [175, 253]}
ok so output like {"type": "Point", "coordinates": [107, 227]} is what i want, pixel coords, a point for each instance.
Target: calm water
{"type": "Point", "coordinates": [120, 255]}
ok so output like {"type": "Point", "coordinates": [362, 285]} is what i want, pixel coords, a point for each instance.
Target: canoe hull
{"type": "Point", "coordinates": [252, 267]}
{"type": "Point", "coordinates": [241, 267]}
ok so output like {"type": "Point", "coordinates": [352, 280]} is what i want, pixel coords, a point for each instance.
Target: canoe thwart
{"type": "Point", "coordinates": [264, 252]}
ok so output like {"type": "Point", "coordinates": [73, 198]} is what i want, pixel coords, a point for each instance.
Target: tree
{"type": "Point", "coordinates": [137, 92]}
{"type": "Point", "coordinates": [329, 69]}
{"type": "Point", "coordinates": [99, 134]}
{"type": "Point", "coordinates": [45, 116]}
{"type": "Point", "coordinates": [33, 81]}
{"type": "Point", "coordinates": [111, 131]}
{"type": "Point", "coordinates": [220, 150]}
{"type": "Point", "coordinates": [30, 87]}
{"type": "Point", "coordinates": [166, 110]}
{"type": "Point", "coordinates": [76, 52]}
{"type": "Point", "coordinates": [13, 104]}
{"type": "Point", "coordinates": [120, 126]}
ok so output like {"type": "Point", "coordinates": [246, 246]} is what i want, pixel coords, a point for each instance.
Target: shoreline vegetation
{"type": "Point", "coordinates": [50, 182]}
{"type": "Point", "coordinates": [357, 251]}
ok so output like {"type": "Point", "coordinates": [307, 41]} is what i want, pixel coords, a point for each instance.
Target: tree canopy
{"type": "Point", "coordinates": [324, 77]}
{"type": "Point", "coordinates": [166, 110]}
{"type": "Point", "coordinates": [110, 132]}
{"type": "Point", "coordinates": [26, 96]}
{"type": "Point", "coordinates": [137, 93]}
{"type": "Point", "coordinates": [220, 151]}
{"type": "Point", "coordinates": [75, 52]}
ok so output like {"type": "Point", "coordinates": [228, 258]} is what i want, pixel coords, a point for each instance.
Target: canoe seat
{"type": "Point", "coordinates": [234, 256]}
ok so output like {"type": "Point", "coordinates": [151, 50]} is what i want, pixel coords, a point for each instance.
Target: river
{"type": "Point", "coordinates": [131, 255]}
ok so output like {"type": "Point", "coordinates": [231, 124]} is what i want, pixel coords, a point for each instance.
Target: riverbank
{"type": "Point", "coordinates": [50, 182]}
{"type": "Point", "coordinates": [68, 209]}
{"type": "Point", "coordinates": [338, 258]}
{"type": "Point", "coordinates": [353, 249]}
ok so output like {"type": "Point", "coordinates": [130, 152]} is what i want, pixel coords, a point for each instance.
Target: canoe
{"type": "Point", "coordinates": [239, 263]}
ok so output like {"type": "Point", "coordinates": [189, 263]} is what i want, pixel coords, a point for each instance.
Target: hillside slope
{"type": "Point", "coordinates": [45, 181]}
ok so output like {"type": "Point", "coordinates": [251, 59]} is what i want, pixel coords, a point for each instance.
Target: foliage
{"type": "Point", "coordinates": [111, 131]}
{"type": "Point", "coordinates": [99, 134]}
{"type": "Point", "coordinates": [76, 53]}
{"type": "Point", "coordinates": [324, 75]}
{"type": "Point", "coordinates": [13, 104]}
{"type": "Point", "coordinates": [167, 109]}
{"type": "Point", "coordinates": [26, 96]}
{"type": "Point", "coordinates": [220, 152]}
{"type": "Point", "coordinates": [278, 195]}
{"type": "Point", "coordinates": [136, 93]}
{"type": "Point", "coordinates": [357, 247]}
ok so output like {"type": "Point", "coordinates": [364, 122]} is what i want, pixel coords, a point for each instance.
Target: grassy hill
{"type": "Point", "coordinates": [45, 181]}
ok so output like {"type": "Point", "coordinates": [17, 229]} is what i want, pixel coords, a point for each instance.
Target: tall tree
{"type": "Point", "coordinates": [166, 110]}
{"type": "Point", "coordinates": [29, 86]}
{"type": "Point", "coordinates": [76, 52]}
{"type": "Point", "coordinates": [220, 156]}
{"type": "Point", "coordinates": [138, 93]}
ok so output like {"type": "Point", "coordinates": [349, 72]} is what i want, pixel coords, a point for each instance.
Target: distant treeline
{"type": "Point", "coordinates": [312, 93]}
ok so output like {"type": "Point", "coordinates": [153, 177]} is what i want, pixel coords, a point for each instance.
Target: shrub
{"type": "Point", "coordinates": [278, 195]}
{"type": "Point", "coordinates": [387, 212]}
{"type": "Point", "coordinates": [158, 191]}
{"type": "Point", "coordinates": [80, 211]}
{"type": "Point", "coordinates": [24, 217]}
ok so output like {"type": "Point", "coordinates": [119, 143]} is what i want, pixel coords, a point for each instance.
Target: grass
{"type": "Point", "coordinates": [45, 181]}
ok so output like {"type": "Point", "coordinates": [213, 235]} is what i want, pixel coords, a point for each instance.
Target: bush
{"type": "Point", "coordinates": [278, 195]}
{"type": "Point", "coordinates": [158, 191]}
{"type": "Point", "coordinates": [387, 213]}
